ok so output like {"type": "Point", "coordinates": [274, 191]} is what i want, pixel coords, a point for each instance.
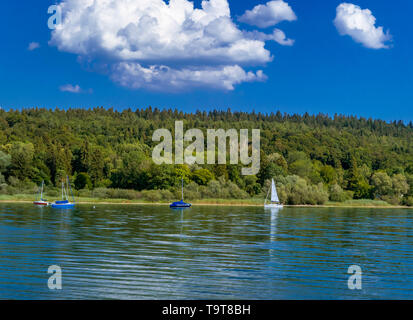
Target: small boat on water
{"type": "Point", "coordinates": [181, 204]}
{"type": "Point", "coordinates": [275, 201]}
{"type": "Point", "coordinates": [65, 203]}
{"type": "Point", "coordinates": [42, 202]}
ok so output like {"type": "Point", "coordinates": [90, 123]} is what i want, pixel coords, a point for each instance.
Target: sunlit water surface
{"type": "Point", "coordinates": [152, 252]}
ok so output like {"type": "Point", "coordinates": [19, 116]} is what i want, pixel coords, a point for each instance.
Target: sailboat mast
{"type": "Point", "coordinates": [272, 190]}
{"type": "Point", "coordinates": [37, 194]}
{"type": "Point", "coordinates": [70, 188]}
{"type": "Point", "coordinates": [182, 188]}
{"type": "Point", "coordinates": [41, 192]}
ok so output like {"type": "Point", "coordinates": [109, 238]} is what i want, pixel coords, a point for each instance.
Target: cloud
{"type": "Point", "coordinates": [270, 14]}
{"type": "Point", "coordinates": [163, 78]}
{"type": "Point", "coordinates": [359, 24]}
{"type": "Point", "coordinates": [70, 88]}
{"type": "Point", "coordinates": [277, 36]}
{"type": "Point", "coordinates": [33, 46]}
{"type": "Point", "coordinates": [155, 45]}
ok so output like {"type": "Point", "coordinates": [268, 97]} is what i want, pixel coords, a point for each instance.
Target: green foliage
{"type": "Point", "coordinates": [312, 157]}
{"type": "Point", "coordinates": [408, 201]}
{"type": "Point", "coordinates": [381, 183]}
{"type": "Point", "coordinates": [5, 161]}
{"type": "Point", "coordinates": [251, 185]}
{"type": "Point", "coordinates": [328, 174]}
{"type": "Point", "coordinates": [302, 168]}
{"type": "Point", "coordinates": [337, 194]}
{"type": "Point", "coordinates": [393, 189]}
{"type": "Point", "coordinates": [296, 190]}
{"type": "Point", "coordinates": [22, 159]}
{"type": "Point", "coordinates": [400, 186]}
{"type": "Point", "coordinates": [202, 176]}
{"type": "Point", "coordinates": [82, 181]}
{"type": "Point", "coordinates": [216, 189]}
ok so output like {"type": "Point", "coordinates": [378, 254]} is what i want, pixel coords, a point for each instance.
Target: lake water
{"type": "Point", "coordinates": [152, 252]}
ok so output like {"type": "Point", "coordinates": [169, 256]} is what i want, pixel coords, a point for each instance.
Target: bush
{"type": "Point", "coordinates": [317, 194]}
{"type": "Point", "coordinates": [3, 188]}
{"type": "Point", "coordinates": [192, 192]}
{"type": "Point", "coordinates": [213, 190]}
{"type": "Point", "coordinates": [235, 192]}
{"type": "Point", "coordinates": [408, 201]}
{"type": "Point", "coordinates": [101, 193]}
{"type": "Point", "coordinates": [337, 194]}
{"type": "Point", "coordinates": [106, 193]}
{"type": "Point", "coordinates": [222, 189]}
{"type": "Point", "coordinates": [123, 194]}
{"type": "Point", "coordinates": [295, 191]}
{"type": "Point", "coordinates": [392, 199]}
{"type": "Point", "coordinates": [13, 181]}
{"type": "Point", "coordinates": [166, 195]}
{"type": "Point", "coordinates": [202, 176]}
{"type": "Point", "coordinates": [82, 181]}
{"type": "Point", "coordinates": [86, 193]}
{"type": "Point", "coordinates": [152, 195]}
{"type": "Point", "coordinates": [53, 192]}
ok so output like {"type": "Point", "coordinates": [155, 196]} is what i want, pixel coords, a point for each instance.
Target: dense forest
{"type": "Point", "coordinates": [107, 153]}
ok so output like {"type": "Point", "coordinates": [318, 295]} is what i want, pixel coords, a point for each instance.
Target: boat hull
{"type": "Point", "coordinates": [270, 206]}
{"type": "Point", "coordinates": [180, 205]}
{"type": "Point", "coordinates": [41, 203]}
{"type": "Point", "coordinates": [63, 205]}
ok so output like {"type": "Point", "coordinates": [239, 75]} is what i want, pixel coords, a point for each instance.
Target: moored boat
{"type": "Point", "coordinates": [42, 202]}
{"type": "Point", "coordinates": [275, 201]}
{"type": "Point", "coordinates": [181, 204]}
{"type": "Point", "coordinates": [65, 203]}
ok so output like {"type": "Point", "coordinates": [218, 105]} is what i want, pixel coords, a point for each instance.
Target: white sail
{"type": "Point", "coordinates": [274, 195]}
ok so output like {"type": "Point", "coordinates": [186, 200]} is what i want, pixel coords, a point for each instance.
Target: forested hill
{"type": "Point", "coordinates": [313, 158]}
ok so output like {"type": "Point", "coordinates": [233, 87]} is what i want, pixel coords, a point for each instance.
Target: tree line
{"type": "Point", "coordinates": [314, 158]}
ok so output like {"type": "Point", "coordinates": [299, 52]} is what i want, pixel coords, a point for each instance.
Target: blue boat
{"type": "Point", "coordinates": [64, 203]}
{"type": "Point", "coordinates": [180, 204]}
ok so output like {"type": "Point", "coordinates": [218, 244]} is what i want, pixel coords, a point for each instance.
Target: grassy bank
{"type": "Point", "coordinates": [364, 203]}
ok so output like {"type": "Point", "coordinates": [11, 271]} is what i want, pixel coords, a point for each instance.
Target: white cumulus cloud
{"type": "Point", "coordinates": [270, 14]}
{"type": "Point", "coordinates": [359, 24]}
{"type": "Point", "coordinates": [70, 88]}
{"type": "Point", "coordinates": [156, 45]}
{"type": "Point", "coordinates": [167, 79]}
{"type": "Point", "coordinates": [33, 46]}
{"type": "Point", "coordinates": [277, 36]}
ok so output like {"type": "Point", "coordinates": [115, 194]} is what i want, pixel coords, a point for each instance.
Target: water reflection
{"type": "Point", "coordinates": [152, 252]}
{"type": "Point", "coordinates": [274, 217]}
{"type": "Point", "coordinates": [273, 226]}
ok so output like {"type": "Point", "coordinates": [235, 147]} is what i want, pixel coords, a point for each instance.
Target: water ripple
{"type": "Point", "coordinates": [145, 252]}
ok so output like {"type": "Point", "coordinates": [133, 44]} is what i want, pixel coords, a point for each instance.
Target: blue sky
{"type": "Point", "coordinates": [323, 71]}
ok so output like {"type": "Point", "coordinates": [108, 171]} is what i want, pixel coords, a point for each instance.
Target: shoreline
{"type": "Point", "coordinates": [205, 204]}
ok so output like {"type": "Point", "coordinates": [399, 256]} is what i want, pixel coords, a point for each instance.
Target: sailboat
{"type": "Point", "coordinates": [64, 203]}
{"type": "Point", "coordinates": [41, 202]}
{"type": "Point", "coordinates": [275, 201]}
{"type": "Point", "coordinates": [181, 204]}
